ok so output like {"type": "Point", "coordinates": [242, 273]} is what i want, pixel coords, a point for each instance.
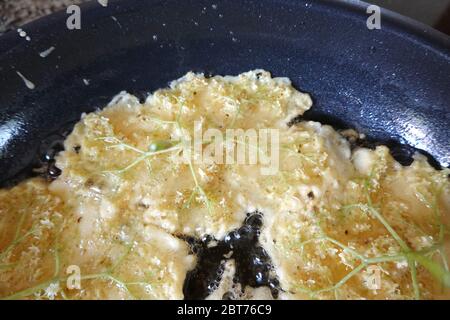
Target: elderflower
{"type": "Point", "coordinates": [52, 290]}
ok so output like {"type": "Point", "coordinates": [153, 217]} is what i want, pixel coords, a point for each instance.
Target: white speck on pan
{"type": "Point", "coordinates": [30, 85]}
{"type": "Point", "coordinates": [23, 34]}
{"type": "Point", "coordinates": [86, 81]}
{"type": "Point", "coordinates": [104, 3]}
{"type": "Point", "coordinates": [46, 53]}
{"type": "Point", "coordinates": [116, 21]}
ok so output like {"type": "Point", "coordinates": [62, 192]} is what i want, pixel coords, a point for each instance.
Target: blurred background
{"type": "Point", "coordinates": [436, 13]}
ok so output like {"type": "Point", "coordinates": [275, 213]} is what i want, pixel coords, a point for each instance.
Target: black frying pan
{"type": "Point", "coordinates": [391, 84]}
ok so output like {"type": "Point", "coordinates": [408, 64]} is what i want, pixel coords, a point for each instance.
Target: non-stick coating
{"type": "Point", "coordinates": [391, 84]}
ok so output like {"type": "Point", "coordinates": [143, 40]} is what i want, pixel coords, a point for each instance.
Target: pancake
{"type": "Point", "coordinates": [135, 182]}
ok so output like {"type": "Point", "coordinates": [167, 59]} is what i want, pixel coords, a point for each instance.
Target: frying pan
{"type": "Point", "coordinates": [391, 84]}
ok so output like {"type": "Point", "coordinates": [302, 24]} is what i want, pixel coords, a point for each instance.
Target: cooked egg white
{"type": "Point", "coordinates": [337, 223]}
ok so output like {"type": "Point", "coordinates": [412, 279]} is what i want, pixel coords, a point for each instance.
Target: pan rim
{"type": "Point", "coordinates": [428, 35]}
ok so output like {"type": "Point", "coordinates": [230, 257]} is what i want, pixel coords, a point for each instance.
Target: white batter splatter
{"type": "Point", "coordinates": [47, 52]}
{"type": "Point", "coordinates": [116, 21]}
{"type": "Point", "coordinates": [30, 85]}
{"type": "Point", "coordinates": [23, 34]}
{"type": "Point", "coordinates": [104, 3]}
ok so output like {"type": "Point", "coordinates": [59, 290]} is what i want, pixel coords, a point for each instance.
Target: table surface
{"type": "Point", "coordinates": [14, 13]}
